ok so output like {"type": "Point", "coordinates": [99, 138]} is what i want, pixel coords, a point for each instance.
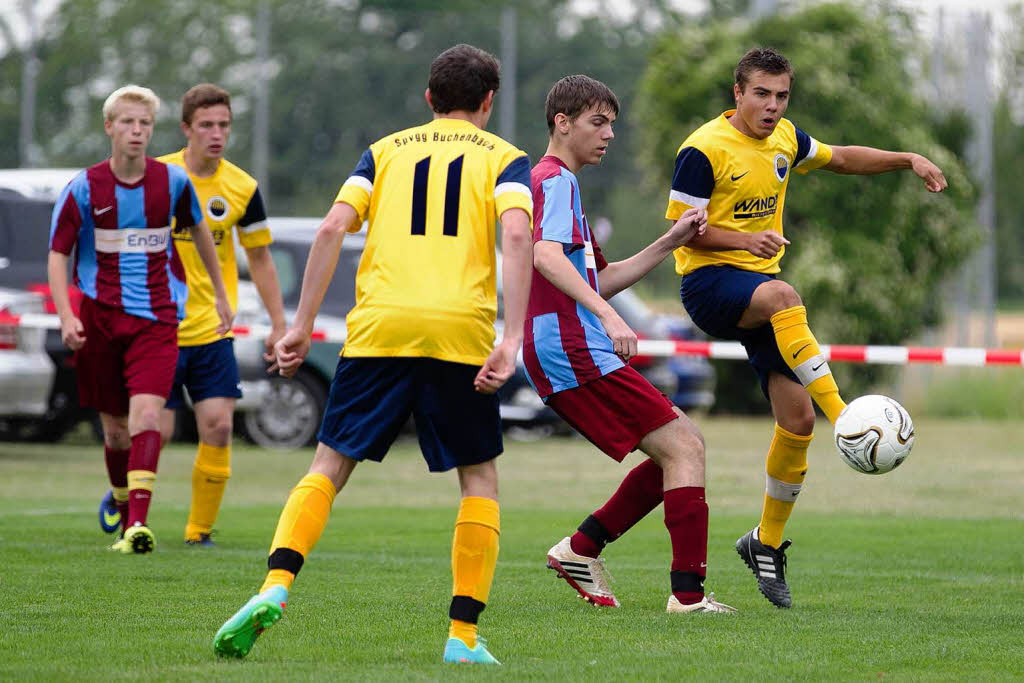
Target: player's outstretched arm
{"type": "Point", "coordinates": [516, 267]}
{"type": "Point", "coordinates": [550, 261]}
{"type": "Point", "coordinates": [203, 240]}
{"type": "Point", "coordinates": [857, 160]}
{"type": "Point", "coordinates": [621, 274]}
{"type": "Point", "coordinates": [72, 332]}
{"type": "Point", "coordinates": [264, 275]}
{"type": "Point", "coordinates": [323, 259]}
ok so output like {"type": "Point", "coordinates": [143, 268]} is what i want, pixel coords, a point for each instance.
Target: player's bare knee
{"type": "Point", "coordinates": [117, 439]}
{"type": "Point", "coordinates": [777, 296]}
{"type": "Point", "coordinates": [218, 432]}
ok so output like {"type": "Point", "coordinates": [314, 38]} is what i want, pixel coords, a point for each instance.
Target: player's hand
{"type": "Point", "coordinates": [622, 336]}
{"type": "Point", "coordinates": [765, 244]}
{"type": "Point", "coordinates": [289, 351]}
{"type": "Point", "coordinates": [692, 223]}
{"type": "Point", "coordinates": [268, 344]}
{"type": "Point", "coordinates": [933, 179]}
{"type": "Point", "coordinates": [72, 332]}
{"type": "Point", "coordinates": [226, 315]}
{"type": "Point", "coordinates": [498, 367]}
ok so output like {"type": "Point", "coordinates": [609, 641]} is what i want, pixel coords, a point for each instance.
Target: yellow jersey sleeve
{"type": "Point", "coordinates": [512, 188]}
{"type": "Point", "coordinates": [357, 190]}
{"type": "Point", "coordinates": [810, 154]}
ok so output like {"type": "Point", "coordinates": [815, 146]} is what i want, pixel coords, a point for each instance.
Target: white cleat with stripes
{"type": "Point", "coordinates": [708, 604]}
{"type": "Point", "coordinates": [768, 565]}
{"type": "Point", "coordinates": [587, 575]}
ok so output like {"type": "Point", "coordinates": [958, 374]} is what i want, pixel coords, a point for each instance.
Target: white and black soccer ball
{"type": "Point", "coordinates": [874, 434]}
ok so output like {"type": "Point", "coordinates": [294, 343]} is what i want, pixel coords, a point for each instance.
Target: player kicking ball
{"type": "Point", "coordinates": [576, 349]}
{"type": "Point", "coordinates": [738, 167]}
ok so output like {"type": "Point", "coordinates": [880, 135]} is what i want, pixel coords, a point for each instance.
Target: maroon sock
{"type": "Point", "coordinates": [144, 455]}
{"type": "Point", "coordinates": [638, 494]}
{"type": "Point", "coordinates": [686, 517]}
{"type": "Point", "coordinates": [117, 470]}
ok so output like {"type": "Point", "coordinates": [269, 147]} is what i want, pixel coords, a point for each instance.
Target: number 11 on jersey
{"type": "Point", "coordinates": [451, 197]}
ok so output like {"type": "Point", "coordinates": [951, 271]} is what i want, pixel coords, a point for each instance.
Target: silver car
{"type": "Point", "coordinates": [26, 371]}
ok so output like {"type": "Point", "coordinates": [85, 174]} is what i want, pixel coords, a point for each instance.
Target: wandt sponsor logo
{"type": "Point", "coordinates": [755, 207]}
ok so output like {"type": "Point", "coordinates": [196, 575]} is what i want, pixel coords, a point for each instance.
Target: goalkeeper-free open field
{"type": "Point", "coordinates": [918, 574]}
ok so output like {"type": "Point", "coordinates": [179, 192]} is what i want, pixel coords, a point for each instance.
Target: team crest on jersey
{"type": "Point", "coordinates": [217, 208]}
{"type": "Point", "coordinates": [781, 166]}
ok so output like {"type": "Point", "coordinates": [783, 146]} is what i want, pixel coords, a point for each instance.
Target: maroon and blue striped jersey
{"type": "Point", "coordinates": [565, 345]}
{"type": "Point", "coordinates": [121, 234]}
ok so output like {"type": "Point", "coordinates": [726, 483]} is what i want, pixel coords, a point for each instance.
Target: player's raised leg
{"type": "Point", "coordinates": [299, 528]}
{"type": "Point", "coordinates": [474, 556]}
{"type": "Point", "coordinates": [778, 303]}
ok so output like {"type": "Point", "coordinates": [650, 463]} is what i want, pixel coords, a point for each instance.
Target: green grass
{"type": "Point", "coordinates": [913, 575]}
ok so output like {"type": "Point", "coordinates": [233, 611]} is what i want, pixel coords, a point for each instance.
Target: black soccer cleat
{"type": "Point", "coordinates": [768, 565]}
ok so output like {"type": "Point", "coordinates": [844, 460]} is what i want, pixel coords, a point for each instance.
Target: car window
{"type": "Point", "coordinates": [290, 261]}
{"type": "Point", "coordinates": [24, 240]}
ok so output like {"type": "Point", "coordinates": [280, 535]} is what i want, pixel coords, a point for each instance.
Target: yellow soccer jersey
{"type": "Point", "coordinates": [742, 181]}
{"type": "Point", "coordinates": [229, 198]}
{"type": "Point", "coordinates": [425, 286]}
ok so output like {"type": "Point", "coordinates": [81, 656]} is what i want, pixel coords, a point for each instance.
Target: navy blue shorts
{"type": "Point", "coordinates": [715, 297]}
{"type": "Point", "coordinates": [207, 371]}
{"type": "Point", "coordinates": [372, 398]}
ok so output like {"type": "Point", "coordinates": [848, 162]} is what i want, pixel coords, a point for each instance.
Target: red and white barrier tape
{"type": "Point", "coordinates": [885, 355]}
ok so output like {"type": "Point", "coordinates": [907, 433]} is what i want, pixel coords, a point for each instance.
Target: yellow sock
{"type": "Point", "coordinates": [800, 351]}
{"type": "Point", "coordinates": [210, 474]}
{"type": "Point", "coordinates": [785, 470]}
{"type": "Point", "coordinates": [302, 521]}
{"type": "Point", "coordinates": [474, 556]}
{"type": "Point", "coordinates": [464, 631]}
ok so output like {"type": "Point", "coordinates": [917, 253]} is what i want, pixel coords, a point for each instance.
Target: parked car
{"type": "Point", "coordinates": [24, 236]}
{"type": "Point", "coordinates": [292, 409]}
{"type": "Point", "coordinates": [26, 371]}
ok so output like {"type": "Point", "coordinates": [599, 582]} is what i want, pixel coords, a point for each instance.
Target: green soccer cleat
{"type": "Point", "coordinates": [239, 633]}
{"type": "Point", "coordinates": [457, 652]}
{"type": "Point", "coordinates": [137, 539]}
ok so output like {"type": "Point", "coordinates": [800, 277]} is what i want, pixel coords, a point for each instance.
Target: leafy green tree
{"type": "Point", "coordinates": [869, 254]}
{"type": "Point", "coordinates": [341, 74]}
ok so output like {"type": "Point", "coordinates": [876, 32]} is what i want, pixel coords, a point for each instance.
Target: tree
{"type": "Point", "coordinates": [869, 254]}
{"type": "Point", "coordinates": [341, 75]}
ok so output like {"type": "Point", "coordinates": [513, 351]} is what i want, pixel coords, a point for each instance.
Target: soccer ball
{"type": "Point", "coordinates": [874, 434]}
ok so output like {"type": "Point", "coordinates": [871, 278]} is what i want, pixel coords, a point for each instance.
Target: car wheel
{"type": "Point", "coordinates": [290, 414]}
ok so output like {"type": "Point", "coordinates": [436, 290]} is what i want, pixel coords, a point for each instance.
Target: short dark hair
{"type": "Point", "coordinates": [461, 77]}
{"type": "Point", "coordinates": [766, 59]}
{"type": "Point", "coordinates": [573, 95]}
{"type": "Point", "coordinates": [202, 95]}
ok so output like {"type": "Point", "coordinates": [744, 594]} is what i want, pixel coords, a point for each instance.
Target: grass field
{"type": "Point", "coordinates": [918, 574]}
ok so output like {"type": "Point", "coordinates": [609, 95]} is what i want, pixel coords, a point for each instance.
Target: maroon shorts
{"type": "Point", "coordinates": [124, 355]}
{"type": "Point", "coordinates": [615, 411]}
